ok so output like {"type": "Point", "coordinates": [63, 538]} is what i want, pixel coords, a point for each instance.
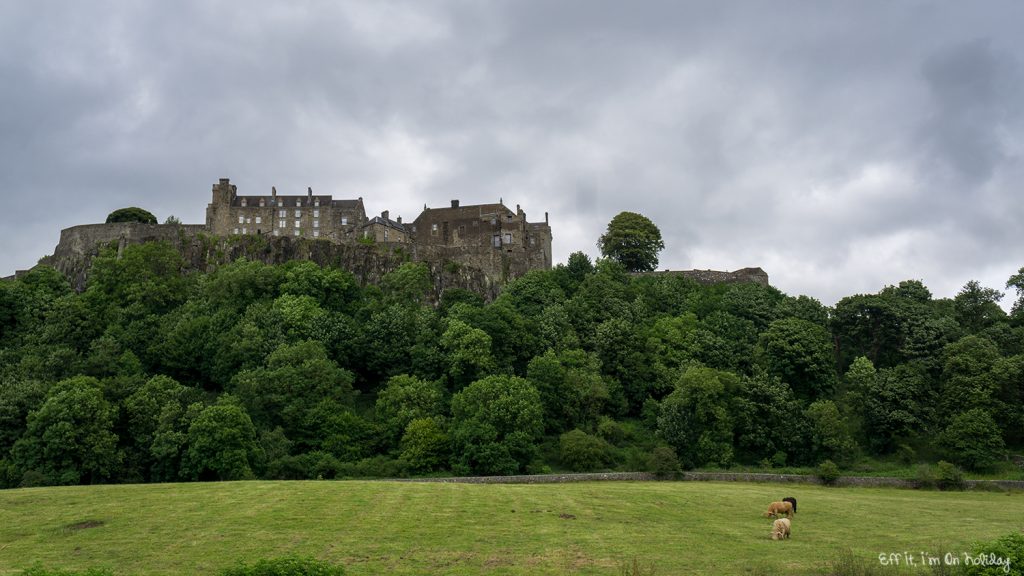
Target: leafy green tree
{"type": "Point", "coordinates": [694, 419]}
{"type": "Point", "coordinates": [148, 410]}
{"type": "Point", "coordinates": [406, 398]}
{"type": "Point", "coordinates": [69, 439]}
{"type": "Point", "coordinates": [531, 293]}
{"type": "Point", "coordinates": [1008, 374]}
{"type": "Point", "coordinates": [222, 443]}
{"type": "Point", "coordinates": [633, 240]}
{"type": "Point", "coordinates": [18, 398]}
{"type": "Point", "coordinates": [570, 275]}
{"type": "Point", "coordinates": [582, 452]}
{"type": "Point", "coordinates": [571, 388]}
{"type": "Point", "coordinates": [332, 288]}
{"type": "Point", "coordinates": [425, 445]}
{"type": "Point", "coordinates": [977, 307]}
{"type": "Point", "coordinates": [831, 438]}
{"type": "Point", "coordinates": [236, 285]}
{"type": "Point", "coordinates": [768, 421]}
{"type": "Point", "coordinates": [294, 381]}
{"type": "Point", "coordinates": [409, 284]}
{"type": "Point", "coordinates": [1017, 283]}
{"type": "Point", "coordinates": [146, 278]}
{"type": "Point", "coordinates": [132, 214]}
{"type": "Point", "coordinates": [496, 422]}
{"type": "Point", "coordinates": [800, 353]}
{"type": "Point", "coordinates": [895, 407]}
{"type": "Point", "coordinates": [469, 353]}
{"type": "Point", "coordinates": [967, 381]}
{"type": "Point", "coordinates": [973, 441]}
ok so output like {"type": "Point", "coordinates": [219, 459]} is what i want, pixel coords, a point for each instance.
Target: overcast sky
{"type": "Point", "coordinates": [841, 146]}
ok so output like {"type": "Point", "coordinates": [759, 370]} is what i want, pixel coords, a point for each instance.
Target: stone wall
{"type": "Point", "coordinates": [756, 275]}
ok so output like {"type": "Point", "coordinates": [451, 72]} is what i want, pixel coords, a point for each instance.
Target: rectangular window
{"type": "Point", "coordinates": [316, 213]}
{"type": "Point", "coordinates": [248, 220]}
{"type": "Point", "coordinates": [532, 241]}
{"type": "Point", "coordinates": [385, 234]}
{"type": "Point", "coordinates": [316, 223]}
{"type": "Point", "coordinates": [259, 220]}
{"type": "Point", "coordinates": [297, 231]}
{"type": "Point", "coordinates": [245, 231]}
{"type": "Point", "coordinates": [281, 223]}
{"type": "Point", "coordinates": [508, 238]}
{"type": "Point", "coordinates": [282, 213]}
{"type": "Point", "coordinates": [344, 220]}
{"type": "Point", "coordinates": [496, 241]}
{"type": "Point", "coordinates": [316, 233]}
{"type": "Point", "coordinates": [298, 223]}
{"type": "Point", "coordinates": [243, 202]}
{"type": "Point", "coordinates": [277, 232]}
{"type": "Point", "coordinates": [263, 202]}
{"type": "Point", "coordinates": [241, 219]}
{"type": "Point", "coordinates": [316, 202]}
{"type": "Point", "coordinates": [236, 230]}
{"type": "Point", "coordinates": [298, 213]}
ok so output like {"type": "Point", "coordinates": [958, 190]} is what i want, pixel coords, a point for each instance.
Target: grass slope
{"type": "Point", "coordinates": [408, 528]}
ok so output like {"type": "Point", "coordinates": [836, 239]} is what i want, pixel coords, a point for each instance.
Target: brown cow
{"type": "Point", "coordinates": [777, 508]}
{"type": "Point", "coordinates": [780, 529]}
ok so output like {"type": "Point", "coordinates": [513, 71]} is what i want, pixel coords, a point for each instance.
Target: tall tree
{"type": "Point", "coordinates": [633, 240]}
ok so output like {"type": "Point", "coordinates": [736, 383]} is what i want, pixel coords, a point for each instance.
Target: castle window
{"type": "Point", "coordinates": [297, 231]}
{"type": "Point", "coordinates": [344, 220]}
{"type": "Point", "coordinates": [277, 232]}
{"type": "Point", "coordinates": [316, 213]}
{"type": "Point", "coordinates": [263, 202]}
{"type": "Point", "coordinates": [496, 241]}
{"type": "Point", "coordinates": [508, 218]}
{"type": "Point", "coordinates": [236, 230]}
{"type": "Point", "coordinates": [316, 233]}
{"type": "Point", "coordinates": [508, 238]}
{"type": "Point", "coordinates": [433, 229]}
{"type": "Point", "coordinates": [241, 219]}
{"type": "Point", "coordinates": [248, 220]}
{"type": "Point", "coordinates": [245, 231]}
{"type": "Point", "coordinates": [298, 213]}
{"type": "Point", "coordinates": [298, 223]}
{"type": "Point", "coordinates": [282, 223]}
{"type": "Point", "coordinates": [316, 223]}
{"type": "Point", "coordinates": [243, 202]}
{"type": "Point", "coordinates": [532, 241]}
{"type": "Point", "coordinates": [316, 202]}
{"type": "Point", "coordinates": [385, 234]}
{"type": "Point", "coordinates": [493, 221]}
{"type": "Point", "coordinates": [259, 220]}
{"type": "Point", "coordinates": [282, 213]}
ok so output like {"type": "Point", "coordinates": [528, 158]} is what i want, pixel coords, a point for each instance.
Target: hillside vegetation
{"type": "Point", "coordinates": [410, 528]}
{"type": "Point", "coordinates": [295, 371]}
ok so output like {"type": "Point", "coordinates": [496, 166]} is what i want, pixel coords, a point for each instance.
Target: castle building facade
{"type": "Point", "coordinates": [481, 233]}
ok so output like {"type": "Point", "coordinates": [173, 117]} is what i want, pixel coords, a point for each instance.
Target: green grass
{"type": "Point", "coordinates": [421, 528]}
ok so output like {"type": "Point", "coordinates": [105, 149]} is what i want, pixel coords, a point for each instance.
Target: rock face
{"type": "Point", "coordinates": [202, 252]}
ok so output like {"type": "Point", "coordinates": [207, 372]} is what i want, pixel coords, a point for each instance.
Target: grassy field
{"type": "Point", "coordinates": [407, 528]}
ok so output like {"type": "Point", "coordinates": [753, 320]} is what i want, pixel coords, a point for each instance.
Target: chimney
{"type": "Point", "coordinates": [225, 181]}
{"type": "Point", "coordinates": [399, 220]}
{"type": "Point", "coordinates": [273, 192]}
{"type": "Point", "coordinates": [384, 215]}
{"type": "Point", "coordinates": [455, 203]}
{"type": "Point", "coordinates": [545, 217]}
{"type": "Point", "coordinates": [309, 193]}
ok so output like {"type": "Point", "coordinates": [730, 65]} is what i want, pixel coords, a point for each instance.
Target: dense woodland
{"type": "Point", "coordinates": [153, 374]}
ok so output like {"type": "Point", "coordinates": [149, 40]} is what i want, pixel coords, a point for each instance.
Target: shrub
{"type": "Point", "coordinates": [828, 472]}
{"type": "Point", "coordinates": [950, 477]}
{"type": "Point", "coordinates": [663, 462]}
{"type": "Point", "coordinates": [611, 430]}
{"type": "Point", "coordinates": [1009, 547]}
{"type": "Point", "coordinates": [973, 440]}
{"type": "Point", "coordinates": [131, 214]}
{"type": "Point", "coordinates": [285, 567]}
{"type": "Point", "coordinates": [924, 477]}
{"type": "Point", "coordinates": [582, 452]}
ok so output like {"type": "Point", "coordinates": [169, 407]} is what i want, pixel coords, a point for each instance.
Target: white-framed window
{"type": "Point", "coordinates": [496, 241]}
{"type": "Point", "coordinates": [385, 234]}
{"type": "Point", "coordinates": [248, 220]}
{"type": "Point", "coordinates": [282, 223]}
{"type": "Point", "coordinates": [316, 202]}
{"type": "Point", "coordinates": [277, 232]}
{"type": "Point", "coordinates": [316, 213]}
{"type": "Point", "coordinates": [241, 219]}
{"type": "Point", "coordinates": [433, 228]}
{"type": "Point", "coordinates": [263, 202]}
{"type": "Point", "coordinates": [259, 220]}
{"type": "Point", "coordinates": [508, 238]}
{"type": "Point", "coordinates": [316, 233]}
{"type": "Point", "coordinates": [316, 223]}
{"type": "Point", "coordinates": [243, 202]}
{"type": "Point", "coordinates": [298, 223]}
{"type": "Point", "coordinates": [297, 231]}
{"type": "Point", "coordinates": [282, 213]}
{"type": "Point", "coordinates": [532, 242]}
{"type": "Point", "coordinates": [298, 213]}
{"type": "Point", "coordinates": [245, 230]}
{"type": "Point", "coordinates": [344, 220]}
{"type": "Point", "coordinates": [236, 230]}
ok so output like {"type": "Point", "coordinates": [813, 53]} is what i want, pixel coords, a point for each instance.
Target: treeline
{"type": "Point", "coordinates": [295, 371]}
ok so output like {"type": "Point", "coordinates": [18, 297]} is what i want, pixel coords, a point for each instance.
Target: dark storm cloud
{"type": "Point", "coordinates": [842, 146]}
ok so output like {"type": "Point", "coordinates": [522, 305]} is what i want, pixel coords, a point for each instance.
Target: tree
{"type": "Point", "coordinates": [131, 214]}
{"type": "Point", "coordinates": [571, 388]}
{"type": "Point", "coordinates": [633, 240]}
{"type": "Point", "coordinates": [977, 307]}
{"type": "Point", "coordinates": [799, 352]}
{"type": "Point", "coordinates": [425, 444]}
{"type": "Point", "coordinates": [496, 422]}
{"type": "Point", "coordinates": [407, 398]}
{"type": "Point", "coordinates": [221, 443]}
{"type": "Point", "coordinates": [1017, 283]}
{"type": "Point", "coordinates": [972, 440]}
{"type": "Point", "coordinates": [69, 439]}
{"type": "Point", "coordinates": [695, 418]}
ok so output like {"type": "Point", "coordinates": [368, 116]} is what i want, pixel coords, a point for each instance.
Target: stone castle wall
{"type": "Point", "coordinates": [755, 275]}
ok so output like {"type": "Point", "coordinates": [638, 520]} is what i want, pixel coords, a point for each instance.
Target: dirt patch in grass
{"type": "Point", "coordinates": [565, 516]}
{"type": "Point", "coordinates": [83, 525]}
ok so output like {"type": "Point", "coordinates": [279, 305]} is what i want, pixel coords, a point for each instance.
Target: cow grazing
{"type": "Point", "coordinates": [780, 529]}
{"type": "Point", "coordinates": [792, 501]}
{"type": "Point", "coordinates": [779, 508]}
